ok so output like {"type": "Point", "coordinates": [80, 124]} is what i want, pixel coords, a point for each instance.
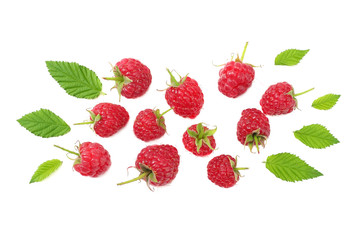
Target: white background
{"type": "Point", "coordinates": [187, 36]}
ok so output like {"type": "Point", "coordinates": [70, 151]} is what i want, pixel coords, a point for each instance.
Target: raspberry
{"type": "Point", "coordinates": [158, 165]}
{"type": "Point", "coordinates": [185, 96]}
{"type": "Point", "coordinates": [149, 125]}
{"type": "Point", "coordinates": [236, 77]}
{"type": "Point", "coordinates": [279, 99]}
{"type": "Point", "coordinates": [92, 159]}
{"type": "Point", "coordinates": [223, 172]}
{"type": "Point", "coordinates": [199, 140]}
{"type": "Point", "coordinates": [253, 128]}
{"type": "Point", "coordinates": [132, 78]}
{"type": "Point", "coordinates": [107, 119]}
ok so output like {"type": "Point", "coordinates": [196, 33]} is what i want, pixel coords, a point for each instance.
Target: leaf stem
{"type": "Point", "coordinates": [298, 94]}
{"type": "Point", "coordinates": [75, 153]}
{"type": "Point", "coordinates": [243, 53]}
{"type": "Point", "coordinates": [141, 176]}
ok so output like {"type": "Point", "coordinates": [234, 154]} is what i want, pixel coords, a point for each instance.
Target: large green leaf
{"type": "Point", "coordinates": [290, 167]}
{"type": "Point", "coordinates": [44, 123]}
{"type": "Point", "coordinates": [315, 136]}
{"type": "Point", "coordinates": [75, 79]}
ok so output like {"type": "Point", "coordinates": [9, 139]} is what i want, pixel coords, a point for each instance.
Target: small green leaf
{"type": "Point", "coordinates": [290, 57]}
{"type": "Point", "coordinates": [198, 143]}
{"type": "Point", "coordinates": [152, 177]}
{"type": "Point", "coordinates": [210, 132]}
{"type": "Point", "coordinates": [325, 102]}
{"type": "Point", "coordinates": [290, 167]}
{"type": "Point", "coordinates": [75, 79]}
{"type": "Point", "coordinates": [192, 133]}
{"type": "Point", "coordinates": [173, 81]}
{"type": "Point", "coordinates": [315, 136]}
{"type": "Point", "coordinates": [44, 123]}
{"type": "Point", "coordinates": [200, 129]}
{"type": "Point", "coordinates": [45, 170]}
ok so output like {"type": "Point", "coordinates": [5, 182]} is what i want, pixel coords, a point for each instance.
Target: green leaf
{"type": "Point", "coordinates": [45, 170]}
{"type": "Point", "coordinates": [290, 57]}
{"type": "Point", "coordinates": [76, 80]}
{"type": "Point", "coordinates": [290, 167]}
{"type": "Point", "coordinates": [173, 81]}
{"type": "Point", "coordinates": [192, 133]}
{"type": "Point", "coordinates": [325, 102]}
{"type": "Point", "coordinates": [200, 129]}
{"type": "Point", "coordinates": [198, 143]}
{"type": "Point", "coordinates": [315, 136]}
{"type": "Point", "coordinates": [210, 132]}
{"type": "Point", "coordinates": [44, 123]}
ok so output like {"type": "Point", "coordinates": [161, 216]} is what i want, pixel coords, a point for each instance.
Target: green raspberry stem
{"type": "Point", "coordinates": [84, 123]}
{"type": "Point", "coordinates": [75, 153]}
{"type": "Point", "coordinates": [141, 176]}
{"type": "Point", "coordinates": [243, 53]}
{"type": "Point", "coordinates": [113, 78]}
{"type": "Point", "coordinates": [162, 114]}
{"type": "Point", "coordinates": [298, 94]}
{"type": "Point", "coordinates": [241, 168]}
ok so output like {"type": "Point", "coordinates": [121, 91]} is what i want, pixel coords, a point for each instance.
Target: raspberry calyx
{"type": "Point", "coordinates": [201, 136]}
{"type": "Point", "coordinates": [161, 121]}
{"type": "Point", "coordinates": [173, 81]}
{"type": "Point", "coordinates": [145, 173]}
{"type": "Point", "coordinates": [255, 138]}
{"type": "Point", "coordinates": [120, 80]}
{"type": "Point", "coordinates": [94, 119]}
{"type": "Point", "coordinates": [77, 160]}
{"type": "Point", "coordinates": [235, 168]}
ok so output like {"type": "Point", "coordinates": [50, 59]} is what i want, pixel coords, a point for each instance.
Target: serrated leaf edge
{"type": "Point", "coordinates": [91, 91]}
{"type": "Point", "coordinates": [56, 122]}
{"type": "Point", "coordinates": [272, 167]}
{"type": "Point", "coordinates": [284, 55]}
{"type": "Point", "coordinates": [308, 141]}
{"type": "Point", "coordinates": [44, 170]}
{"type": "Point", "coordinates": [321, 103]}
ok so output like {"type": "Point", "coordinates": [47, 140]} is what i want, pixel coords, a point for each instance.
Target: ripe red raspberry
{"type": "Point", "coordinates": [149, 125]}
{"type": "Point", "coordinates": [236, 77]}
{"type": "Point", "coordinates": [185, 96]}
{"type": "Point", "coordinates": [107, 119]}
{"type": "Point", "coordinates": [92, 159]}
{"type": "Point", "coordinates": [132, 78]}
{"type": "Point", "coordinates": [199, 140]}
{"type": "Point", "coordinates": [253, 128]}
{"type": "Point", "coordinates": [279, 99]}
{"type": "Point", "coordinates": [158, 165]}
{"type": "Point", "coordinates": [223, 172]}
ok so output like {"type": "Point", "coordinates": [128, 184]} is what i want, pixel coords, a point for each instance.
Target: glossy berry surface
{"type": "Point", "coordinates": [138, 73]}
{"type": "Point", "coordinates": [191, 143]}
{"type": "Point", "coordinates": [113, 117]}
{"type": "Point", "coordinates": [278, 99]}
{"type": "Point", "coordinates": [94, 160]}
{"type": "Point", "coordinates": [253, 124]}
{"type": "Point", "coordinates": [160, 160]}
{"type": "Point", "coordinates": [186, 99]}
{"type": "Point", "coordinates": [148, 126]}
{"type": "Point", "coordinates": [220, 171]}
{"type": "Point", "coordinates": [235, 78]}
